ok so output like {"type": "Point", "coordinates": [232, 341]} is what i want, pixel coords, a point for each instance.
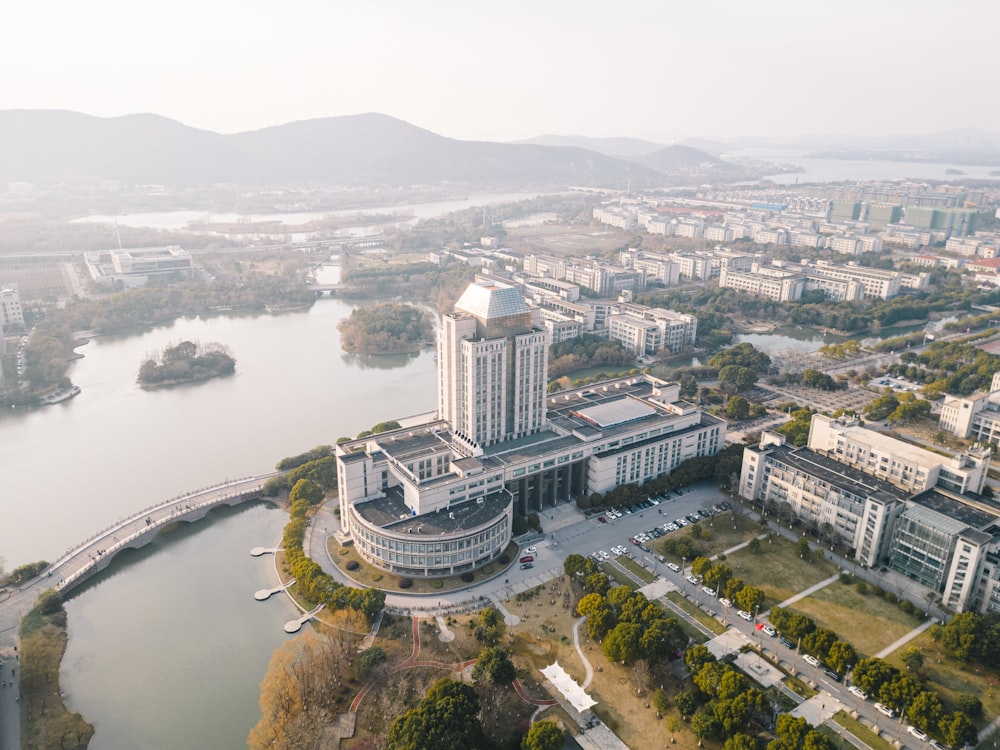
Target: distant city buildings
{"type": "Point", "coordinates": [135, 267]}
{"type": "Point", "coordinates": [439, 497]}
{"type": "Point", "coordinates": [11, 312]}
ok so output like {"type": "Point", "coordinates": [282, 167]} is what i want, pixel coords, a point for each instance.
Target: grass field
{"type": "Point", "coordinates": [778, 571]}
{"type": "Point", "coordinates": [862, 732]}
{"type": "Point", "coordinates": [718, 533]}
{"type": "Point", "coordinates": [869, 623]}
{"type": "Point", "coordinates": [705, 619]}
{"type": "Point", "coordinates": [951, 678]}
{"type": "Point", "coordinates": [636, 569]}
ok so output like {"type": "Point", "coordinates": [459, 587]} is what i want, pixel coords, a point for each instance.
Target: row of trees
{"type": "Point", "coordinates": [822, 643]}
{"type": "Point", "coordinates": [630, 627]}
{"type": "Point", "coordinates": [901, 407]}
{"type": "Point", "coordinates": [311, 581]}
{"type": "Point", "coordinates": [924, 708]}
{"type": "Point", "coordinates": [719, 576]}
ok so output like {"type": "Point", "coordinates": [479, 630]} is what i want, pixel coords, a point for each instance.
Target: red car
{"type": "Point", "coordinates": [527, 558]}
{"type": "Point", "coordinates": [602, 519]}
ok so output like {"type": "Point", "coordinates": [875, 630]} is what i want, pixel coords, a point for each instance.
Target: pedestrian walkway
{"type": "Point", "coordinates": [738, 547]}
{"type": "Point", "coordinates": [587, 668]}
{"type": "Point", "coordinates": [810, 591]}
{"type": "Point", "coordinates": [904, 640]}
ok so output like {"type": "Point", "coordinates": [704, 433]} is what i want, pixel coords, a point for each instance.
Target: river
{"type": "Point", "coordinates": [167, 649]}
{"type": "Point", "coordinates": [839, 170]}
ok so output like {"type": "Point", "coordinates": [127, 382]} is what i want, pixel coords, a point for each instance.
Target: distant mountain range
{"type": "Point", "coordinates": [46, 146]}
{"type": "Point", "coordinates": [51, 146]}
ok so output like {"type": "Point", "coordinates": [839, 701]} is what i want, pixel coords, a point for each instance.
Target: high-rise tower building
{"type": "Point", "coordinates": [492, 365]}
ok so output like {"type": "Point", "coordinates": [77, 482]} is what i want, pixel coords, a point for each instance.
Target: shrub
{"type": "Point", "coordinates": [377, 577]}
{"type": "Point", "coordinates": [504, 559]}
{"type": "Point", "coordinates": [907, 606]}
{"type": "Point", "coordinates": [343, 551]}
{"type": "Point", "coordinates": [405, 583]}
{"type": "Point", "coordinates": [436, 583]}
{"type": "Point", "coordinates": [862, 588]}
{"type": "Point", "coordinates": [845, 578]}
{"type": "Point", "coordinates": [890, 597]}
{"type": "Point", "coordinates": [468, 577]}
{"type": "Point", "coordinates": [352, 565]}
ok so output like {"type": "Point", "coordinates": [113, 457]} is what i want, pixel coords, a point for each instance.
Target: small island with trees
{"type": "Point", "coordinates": [186, 362]}
{"type": "Point", "coordinates": [386, 328]}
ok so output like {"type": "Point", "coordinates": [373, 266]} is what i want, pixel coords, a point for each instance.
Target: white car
{"type": "Point", "coordinates": [531, 550]}
{"type": "Point", "coordinates": [674, 567]}
{"type": "Point", "coordinates": [810, 659]}
{"type": "Point", "coordinates": [725, 602]}
{"type": "Point", "coordinates": [604, 554]}
{"type": "Point", "coordinates": [693, 579]}
{"type": "Point", "coordinates": [884, 709]}
{"type": "Point", "coordinates": [854, 689]}
{"type": "Point", "coordinates": [745, 615]}
{"type": "Point", "coordinates": [770, 631]}
{"type": "Point", "coordinates": [708, 590]}
{"type": "Point", "coordinates": [920, 735]}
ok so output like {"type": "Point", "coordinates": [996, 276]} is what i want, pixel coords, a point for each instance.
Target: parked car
{"type": "Point", "coordinates": [810, 659]}
{"type": "Point", "coordinates": [833, 675]}
{"type": "Point", "coordinates": [769, 630]}
{"type": "Point", "coordinates": [725, 602]}
{"type": "Point", "coordinates": [525, 566]}
{"type": "Point", "coordinates": [602, 519]}
{"type": "Point", "coordinates": [603, 554]}
{"type": "Point", "coordinates": [674, 567]}
{"type": "Point", "coordinates": [884, 709]}
{"type": "Point", "coordinates": [745, 615]}
{"type": "Point", "coordinates": [527, 558]}
{"type": "Point", "coordinates": [787, 643]}
{"type": "Point", "coordinates": [919, 734]}
{"type": "Point", "coordinates": [708, 590]}
{"type": "Point", "coordinates": [858, 692]}
{"type": "Point", "coordinates": [693, 579]}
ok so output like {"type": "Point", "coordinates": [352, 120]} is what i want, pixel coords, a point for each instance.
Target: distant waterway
{"type": "Point", "coordinates": [839, 170]}
{"type": "Point", "coordinates": [410, 213]}
{"type": "Point", "coordinates": [803, 340]}
{"type": "Point", "coordinates": [166, 651]}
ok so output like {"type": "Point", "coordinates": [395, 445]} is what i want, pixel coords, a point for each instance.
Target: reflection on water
{"type": "Point", "coordinates": [167, 648]}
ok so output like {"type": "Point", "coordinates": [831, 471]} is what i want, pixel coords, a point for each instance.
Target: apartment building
{"type": "Point", "coordinates": [11, 312]}
{"type": "Point", "coordinates": [765, 281]}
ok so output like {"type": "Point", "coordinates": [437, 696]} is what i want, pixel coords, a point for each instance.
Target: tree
{"type": "Point", "coordinates": [733, 587]}
{"type": "Point", "coordinates": [578, 564]}
{"type": "Point", "coordinates": [970, 705]}
{"type": "Point", "coordinates": [925, 711]}
{"type": "Point", "coordinates": [700, 565]}
{"type": "Point", "coordinates": [958, 730]}
{"type": "Point", "coordinates": [818, 642]}
{"type": "Point", "coordinates": [790, 732]}
{"type": "Point", "coordinates": [913, 658]}
{"type": "Point", "coordinates": [736, 378]}
{"type": "Point", "coordinates": [718, 575]}
{"type": "Point", "coordinates": [661, 639]}
{"type": "Point", "coordinates": [704, 725]}
{"type": "Point", "coordinates": [622, 643]}
{"type": "Point", "coordinates": [495, 663]}
{"type": "Point", "coordinates": [543, 735]}
{"type": "Point", "coordinates": [446, 719]}
{"type": "Point", "coordinates": [802, 547]}
{"type": "Point", "coordinates": [740, 741]}
{"type": "Point", "coordinates": [696, 657]}
{"type": "Point", "coordinates": [686, 702]}
{"type": "Point", "coordinates": [841, 656]}
{"type": "Point", "coordinates": [491, 627]}
{"type": "Point", "coordinates": [749, 598]}
{"type": "Point", "coordinates": [368, 660]}
{"type": "Point", "coordinates": [737, 407]}
{"type": "Point", "coordinates": [49, 602]}
{"type": "Point", "coordinates": [872, 673]}
{"type": "Point", "coordinates": [661, 701]}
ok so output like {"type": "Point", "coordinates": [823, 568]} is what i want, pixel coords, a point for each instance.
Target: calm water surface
{"type": "Point", "coordinates": [168, 648]}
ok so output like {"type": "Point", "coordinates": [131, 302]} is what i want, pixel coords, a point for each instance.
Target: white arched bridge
{"type": "Point", "coordinates": [96, 553]}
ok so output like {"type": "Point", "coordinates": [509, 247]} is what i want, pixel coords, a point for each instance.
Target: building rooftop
{"type": "Point", "coordinates": [956, 511]}
{"type": "Point", "coordinates": [615, 412]}
{"type": "Point", "coordinates": [492, 300]}
{"type": "Point", "coordinates": [390, 512]}
{"type": "Point", "coordinates": [835, 473]}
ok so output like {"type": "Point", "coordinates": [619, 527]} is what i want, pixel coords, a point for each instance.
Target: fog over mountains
{"type": "Point", "coordinates": [50, 146]}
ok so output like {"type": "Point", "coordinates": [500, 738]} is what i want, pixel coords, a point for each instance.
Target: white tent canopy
{"type": "Point", "coordinates": [570, 690]}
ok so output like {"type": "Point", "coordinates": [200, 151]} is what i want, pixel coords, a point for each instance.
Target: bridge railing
{"type": "Point", "coordinates": [72, 551]}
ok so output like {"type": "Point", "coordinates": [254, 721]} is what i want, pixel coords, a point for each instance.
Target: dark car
{"type": "Point", "coordinates": [527, 565]}
{"type": "Point", "coordinates": [833, 675]}
{"type": "Point", "coordinates": [602, 519]}
{"type": "Point", "coordinates": [787, 643]}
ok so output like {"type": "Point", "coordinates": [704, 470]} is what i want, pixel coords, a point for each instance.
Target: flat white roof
{"type": "Point", "coordinates": [616, 412]}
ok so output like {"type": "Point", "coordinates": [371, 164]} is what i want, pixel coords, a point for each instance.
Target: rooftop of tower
{"type": "Point", "coordinates": [492, 300]}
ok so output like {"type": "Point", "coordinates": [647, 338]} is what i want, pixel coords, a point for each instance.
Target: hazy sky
{"type": "Point", "coordinates": [504, 70]}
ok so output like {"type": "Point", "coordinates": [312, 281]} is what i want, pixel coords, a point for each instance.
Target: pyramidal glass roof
{"type": "Point", "coordinates": [491, 301]}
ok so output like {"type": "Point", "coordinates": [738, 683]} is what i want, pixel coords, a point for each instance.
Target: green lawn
{"type": "Point", "coordinates": [777, 570]}
{"type": "Point", "coordinates": [951, 678]}
{"type": "Point", "coordinates": [719, 531]}
{"type": "Point", "coordinates": [862, 732]}
{"type": "Point", "coordinates": [869, 623]}
{"type": "Point", "coordinates": [702, 617]}
{"type": "Point", "coordinates": [635, 569]}
{"type": "Point", "coordinates": [618, 576]}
